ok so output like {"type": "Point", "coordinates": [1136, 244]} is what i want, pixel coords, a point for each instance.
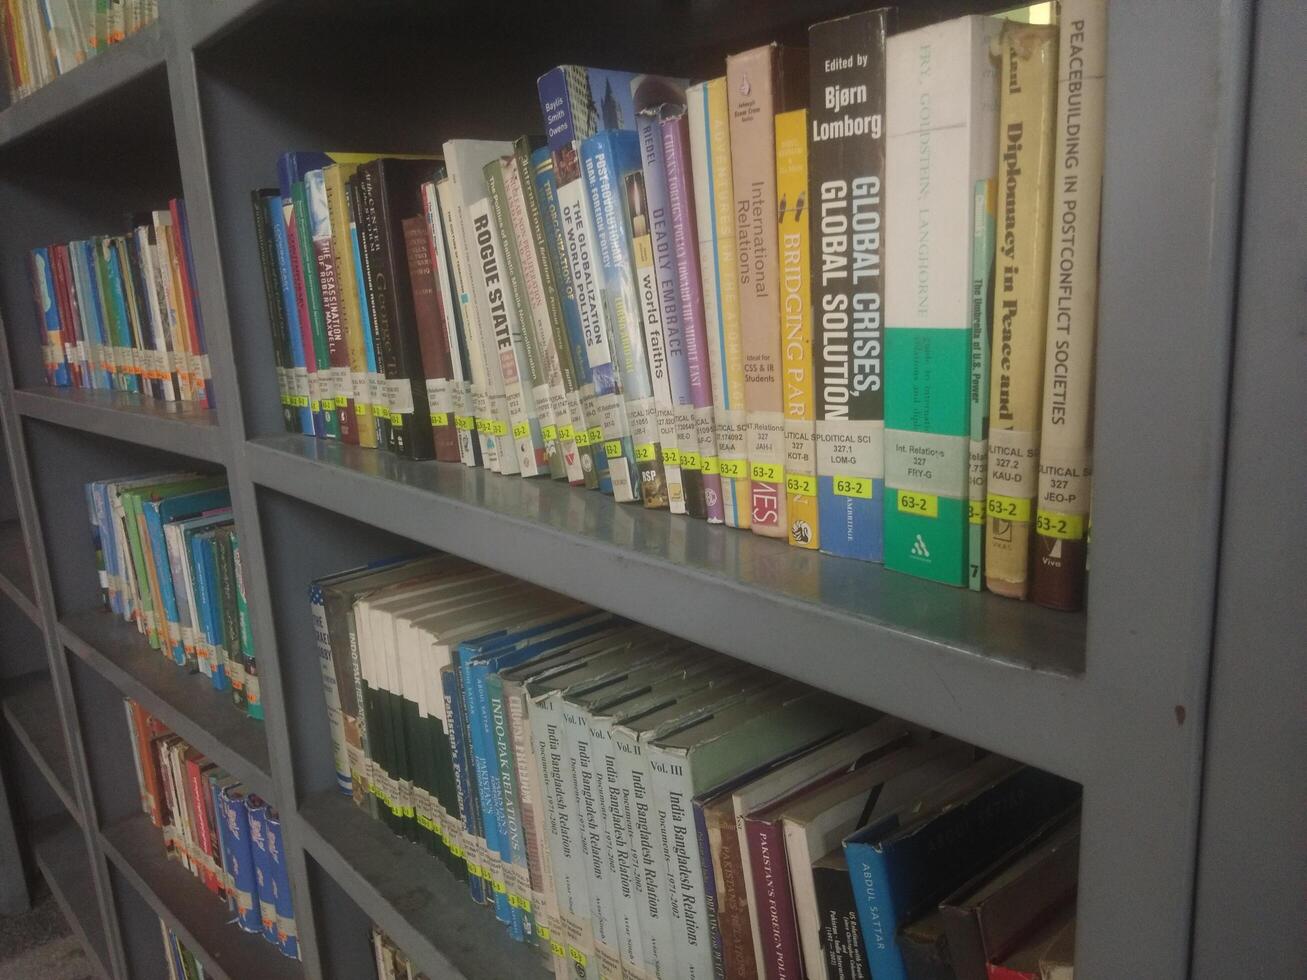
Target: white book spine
{"type": "Point", "coordinates": [628, 884]}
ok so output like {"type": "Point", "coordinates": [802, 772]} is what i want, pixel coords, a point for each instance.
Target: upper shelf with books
{"type": "Point", "coordinates": [960, 662]}
{"type": "Point", "coordinates": [178, 427]}
{"type": "Point", "coordinates": [89, 96]}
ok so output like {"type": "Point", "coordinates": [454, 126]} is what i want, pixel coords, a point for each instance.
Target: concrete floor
{"type": "Point", "coordinates": [38, 945]}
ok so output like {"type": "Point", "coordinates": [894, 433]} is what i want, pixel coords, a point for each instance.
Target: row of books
{"type": "Point", "coordinates": [392, 963]}
{"type": "Point", "coordinates": [216, 829]}
{"type": "Point", "coordinates": [182, 963]}
{"type": "Point", "coordinates": [121, 312]}
{"type": "Point", "coordinates": [169, 561]}
{"type": "Point", "coordinates": [637, 805]}
{"type": "Point", "coordinates": [714, 300]}
{"type": "Point", "coordinates": [43, 39]}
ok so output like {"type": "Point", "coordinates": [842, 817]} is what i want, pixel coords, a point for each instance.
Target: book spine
{"type": "Point", "coordinates": [297, 381]}
{"type": "Point", "coordinates": [879, 910]}
{"type": "Point", "coordinates": [485, 438]}
{"type": "Point", "coordinates": [846, 188]}
{"type": "Point", "coordinates": [485, 770]}
{"type": "Point", "coordinates": [771, 883]}
{"type": "Point", "coordinates": [793, 217]}
{"type": "Point", "coordinates": [491, 226]}
{"type": "Point", "coordinates": [204, 841]}
{"type": "Point", "coordinates": [981, 301]}
{"type": "Point", "coordinates": [47, 314]}
{"type": "Point", "coordinates": [249, 660]}
{"type": "Point", "coordinates": [312, 312]}
{"type": "Point", "coordinates": [433, 341]}
{"type": "Point", "coordinates": [842, 953]}
{"type": "Point", "coordinates": [276, 312]}
{"type": "Point", "coordinates": [547, 311]}
{"type": "Point", "coordinates": [710, 152]}
{"type": "Point", "coordinates": [203, 374]}
{"type": "Point", "coordinates": [529, 296]}
{"type": "Point", "coordinates": [753, 101]}
{"type": "Point", "coordinates": [568, 332]}
{"type": "Point", "coordinates": [64, 315]}
{"type": "Point", "coordinates": [330, 689]}
{"type": "Point", "coordinates": [240, 859]}
{"type": "Point", "coordinates": [463, 780]}
{"type": "Point", "coordinates": [580, 200]}
{"type": "Point", "coordinates": [352, 303]}
{"type": "Point", "coordinates": [230, 614]}
{"type": "Point", "coordinates": [517, 876]}
{"type": "Point", "coordinates": [627, 883]}
{"type": "Point", "coordinates": [89, 301]}
{"type": "Point", "coordinates": [734, 929]}
{"type": "Point", "coordinates": [374, 343]}
{"type": "Point", "coordinates": [655, 339]}
{"type": "Point", "coordinates": [1028, 81]}
{"type": "Point", "coordinates": [677, 428]}
{"type": "Point", "coordinates": [680, 194]}
{"type": "Point", "coordinates": [613, 156]}
{"type": "Point", "coordinates": [1066, 451]}
{"type": "Point", "coordinates": [453, 399]}
{"type": "Point", "coordinates": [287, 933]}
{"type": "Point", "coordinates": [673, 794]}
{"type": "Point", "coordinates": [932, 166]}
{"type": "Point", "coordinates": [178, 365]}
{"type": "Point", "coordinates": [340, 387]}
{"type": "Point", "coordinates": [307, 344]}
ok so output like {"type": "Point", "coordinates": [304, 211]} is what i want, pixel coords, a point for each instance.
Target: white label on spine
{"type": "Point", "coordinates": [977, 469]}
{"type": "Point", "coordinates": [1013, 462]}
{"type": "Point", "coordinates": [399, 396]}
{"type": "Point", "coordinates": [439, 397]}
{"type": "Point", "coordinates": [924, 462]}
{"type": "Point", "coordinates": [851, 448]}
{"type": "Point", "coordinates": [1064, 479]}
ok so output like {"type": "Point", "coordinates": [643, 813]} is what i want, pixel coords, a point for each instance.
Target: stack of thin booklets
{"type": "Point", "coordinates": [122, 313]}
{"type": "Point", "coordinates": [182, 963]}
{"type": "Point", "coordinates": [731, 300]}
{"type": "Point", "coordinates": [630, 802]}
{"type": "Point", "coordinates": [215, 828]}
{"type": "Point", "coordinates": [170, 562]}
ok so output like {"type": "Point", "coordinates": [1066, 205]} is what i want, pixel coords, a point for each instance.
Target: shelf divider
{"type": "Point", "coordinates": [30, 707]}
{"type": "Point", "coordinates": [60, 851]}
{"type": "Point", "coordinates": [16, 570]}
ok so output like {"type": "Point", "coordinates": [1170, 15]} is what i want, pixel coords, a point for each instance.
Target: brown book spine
{"type": "Point", "coordinates": [732, 897]}
{"type": "Point", "coordinates": [432, 339]}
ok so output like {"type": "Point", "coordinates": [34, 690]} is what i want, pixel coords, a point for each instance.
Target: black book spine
{"type": "Point", "coordinates": [841, 938]}
{"type": "Point", "coordinates": [367, 236]}
{"type": "Point", "coordinates": [276, 311]}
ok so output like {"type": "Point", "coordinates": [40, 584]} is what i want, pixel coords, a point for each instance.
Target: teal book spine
{"type": "Point", "coordinates": [932, 166]}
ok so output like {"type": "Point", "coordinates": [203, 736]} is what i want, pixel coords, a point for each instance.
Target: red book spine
{"type": "Point", "coordinates": [432, 339]}
{"type": "Point", "coordinates": [67, 335]}
{"type": "Point", "coordinates": [74, 308]}
{"type": "Point", "coordinates": [337, 344]}
{"type": "Point", "coordinates": [999, 972]}
{"type": "Point", "coordinates": [771, 891]}
{"type": "Point", "coordinates": [195, 779]}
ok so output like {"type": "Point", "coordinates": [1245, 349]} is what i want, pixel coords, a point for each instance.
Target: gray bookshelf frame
{"type": "Point", "coordinates": [1198, 321]}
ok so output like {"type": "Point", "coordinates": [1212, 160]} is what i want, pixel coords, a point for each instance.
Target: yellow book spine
{"type": "Point", "coordinates": [1027, 84]}
{"type": "Point", "coordinates": [334, 176]}
{"type": "Point", "coordinates": [796, 327]}
{"type": "Point", "coordinates": [729, 417]}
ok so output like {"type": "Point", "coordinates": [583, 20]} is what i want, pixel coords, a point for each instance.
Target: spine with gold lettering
{"type": "Point", "coordinates": [846, 197]}
{"type": "Point", "coordinates": [1027, 83]}
{"type": "Point", "coordinates": [792, 217]}
{"type": "Point", "coordinates": [1057, 574]}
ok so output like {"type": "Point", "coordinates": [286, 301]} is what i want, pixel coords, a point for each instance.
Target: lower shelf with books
{"type": "Point", "coordinates": [410, 894]}
{"type": "Point", "coordinates": [186, 702]}
{"type": "Point", "coordinates": [960, 662]}
{"type": "Point", "coordinates": [61, 855]}
{"type": "Point", "coordinates": [16, 570]}
{"type": "Point", "coordinates": [33, 713]}
{"type": "Point", "coordinates": [190, 910]}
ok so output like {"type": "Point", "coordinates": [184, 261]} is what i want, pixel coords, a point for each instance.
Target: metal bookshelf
{"type": "Point", "coordinates": [1176, 701]}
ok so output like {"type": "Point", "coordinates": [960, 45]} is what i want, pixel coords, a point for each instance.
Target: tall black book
{"type": "Point", "coordinates": [276, 310]}
{"type": "Point", "coordinates": [390, 191]}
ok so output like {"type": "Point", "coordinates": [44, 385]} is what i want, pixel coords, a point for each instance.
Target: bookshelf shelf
{"type": "Point", "coordinates": [178, 428]}
{"type": "Point", "coordinates": [61, 855]}
{"type": "Point", "coordinates": [30, 707]}
{"type": "Point", "coordinates": [88, 83]}
{"type": "Point", "coordinates": [16, 570]}
{"type": "Point", "coordinates": [201, 921]}
{"type": "Point", "coordinates": [410, 894]}
{"type": "Point", "coordinates": [1171, 698]}
{"type": "Point", "coordinates": [958, 661]}
{"type": "Point", "coordinates": [184, 701]}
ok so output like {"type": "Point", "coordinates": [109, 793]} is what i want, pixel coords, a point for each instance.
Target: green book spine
{"type": "Point", "coordinates": [317, 316]}
{"type": "Point", "coordinates": [253, 698]}
{"type": "Point", "coordinates": [230, 614]}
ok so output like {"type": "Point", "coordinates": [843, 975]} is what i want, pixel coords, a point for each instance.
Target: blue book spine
{"type": "Point", "coordinates": [879, 907]}
{"type": "Point", "coordinates": [709, 889]}
{"type": "Point", "coordinates": [551, 217]}
{"type": "Point", "coordinates": [300, 378]}
{"type": "Point", "coordinates": [48, 309]}
{"type": "Point", "coordinates": [95, 315]}
{"type": "Point", "coordinates": [489, 825]}
{"type": "Point", "coordinates": [163, 569]}
{"type": "Point", "coordinates": [98, 540]}
{"type": "Point", "coordinates": [287, 933]}
{"type": "Point", "coordinates": [264, 877]}
{"type": "Point", "coordinates": [205, 571]}
{"type": "Point", "coordinates": [463, 781]}
{"type": "Point", "coordinates": [240, 859]}
{"type": "Point", "coordinates": [511, 831]}
{"type": "Point", "coordinates": [224, 872]}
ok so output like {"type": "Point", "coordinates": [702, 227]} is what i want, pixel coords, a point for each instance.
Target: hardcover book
{"type": "Point", "coordinates": [932, 166]}
{"type": "Point", "coordinates": [1057, 575]}
{"type": "Point", "coordinates": [1027, 81]}
{"type": "Point", "coordinates": [847, 189]}
{"type": "Point", "coordinates": [982, 298]}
